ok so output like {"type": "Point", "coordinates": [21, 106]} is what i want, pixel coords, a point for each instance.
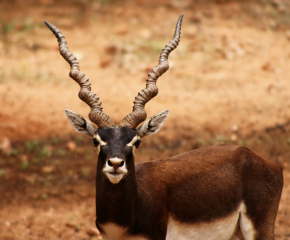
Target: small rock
{"type": "Point", "coordinates": [8, 224]}
{"type": "Point", "coordinates": [71, 225]}
{"type": "Point", "coordinates": [30, 179]}
{"type": "Point", "coordinates": [48, 169]}
{"type": "Point", "coordinates": [121, 30]}
{"type": "Point", "coordinates": [93, 231]}
{"type": "Point", "coordinates": [71, 146]}
{"type": "Point", "coordinates": [5, 145]}
{"type": "Point", "coordinates": [52, 227]}
{"type": "Point", "coordinates": [23, 158]}
{"type": "Point", "coordinates": [268, 67]}
{"type": "Point", "coordinates": [235, 128]}
{"type": "Point", "coordinates": [197, 17]}
{"type": "Point", "coordinates": [111, 49]}
{"type": "Point", "coordinates": [106, 61]}
{"type": "Point", "coordinates": [145, 33]}
{"type": "Point", "coordinates": [234, 137]}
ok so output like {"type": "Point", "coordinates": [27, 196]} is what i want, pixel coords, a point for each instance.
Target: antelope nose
{"type": "Point", "coordinates": [115, 162]}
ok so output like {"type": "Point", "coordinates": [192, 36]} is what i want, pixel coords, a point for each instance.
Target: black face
{"type": "Point", "coordinates": [116, 146]}
{"type": "Point", "coordinates": [117, 139]}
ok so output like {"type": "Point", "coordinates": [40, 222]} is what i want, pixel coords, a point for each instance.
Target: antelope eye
{"type": "Point", "coordinates": [137, 143]}
{"type": "Point", "coordinates": [96, 142]}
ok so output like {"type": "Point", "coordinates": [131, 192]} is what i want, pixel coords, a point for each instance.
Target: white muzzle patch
{"type": "Point", "coordinates": [115, 174]}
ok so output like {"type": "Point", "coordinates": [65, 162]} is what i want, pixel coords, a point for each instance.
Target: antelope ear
{"type": "Point", "coordinates": [79, 123]}
{"type": "Point", "coordinates": [153, 124]}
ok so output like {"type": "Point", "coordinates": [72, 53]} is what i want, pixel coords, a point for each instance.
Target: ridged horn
{"type": "Point", "coordinates": [96, 114]}
{"type": "Point", "coordinates": [139, 114]}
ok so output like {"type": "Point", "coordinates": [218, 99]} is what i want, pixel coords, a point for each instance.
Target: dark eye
{"type": "Point", "coordinates": [137, 143]}
{"type": "Point", "coordinates": [96, 142]}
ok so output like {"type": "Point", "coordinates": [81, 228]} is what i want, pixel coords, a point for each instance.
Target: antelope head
{"type": "Point", "coordinates": [116, 143]}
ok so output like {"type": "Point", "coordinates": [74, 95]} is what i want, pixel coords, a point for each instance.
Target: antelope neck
{"type": "Point", "coordinates": [116, 203]}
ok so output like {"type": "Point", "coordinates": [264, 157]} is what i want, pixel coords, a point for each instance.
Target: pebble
{"type": "Point", "coordinates": [235, 128]}
{"type": "Point", "coordinates": [197, 17]}
{"type": "Point", "coordinates": [268, 67]}
{"type": "Point", "coordinates": [121, 30]}
{"type": "Point", "coordinates": [106, 61]}
{"type": "Point", "coordinates": [71, 146]}
{"type": "Point", "coordinates": [110, 49]}
{"type": "Point", "coordinates": [5, 145]}
{"type": "Point", "coordinates": [30, 179]}
{"type": "Point", "coordinates": [71, 225]}
{"type": "Point", "coordinates": [145, 33]}
{"type": "Point", "coordinates": [234, 137]}
{"type": "Point", "coordinates": [23, 158]}
{"type": "Point", "coordinates": [48, 169]}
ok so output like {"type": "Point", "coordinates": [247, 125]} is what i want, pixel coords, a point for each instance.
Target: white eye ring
{"type": "Point", "coordinates": [96, 136]}
{"type": "Point", "coordinates": [130, 144]}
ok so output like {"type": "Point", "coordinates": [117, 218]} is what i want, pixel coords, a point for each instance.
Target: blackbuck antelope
{"type": "Point", "coordinates": [220, 192]}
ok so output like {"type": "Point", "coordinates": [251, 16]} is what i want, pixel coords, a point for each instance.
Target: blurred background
{"type": "Point", "coordinates": [229, 81]}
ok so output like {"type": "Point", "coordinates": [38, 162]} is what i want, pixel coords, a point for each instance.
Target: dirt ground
{"type": "Point", "coordinates": [228, 82]}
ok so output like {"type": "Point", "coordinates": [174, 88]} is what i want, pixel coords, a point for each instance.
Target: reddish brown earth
{"type": "Point", "coordinates": [228, 81]}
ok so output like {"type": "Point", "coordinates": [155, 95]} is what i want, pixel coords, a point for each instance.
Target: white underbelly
{"type": "Point", "coordinates": [223, 228]}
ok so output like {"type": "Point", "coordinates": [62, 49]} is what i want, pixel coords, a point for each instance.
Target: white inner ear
{"type": "Point", "coordinates": [79, 123]}
{"type": "Point", "coordinates": [153, 124]}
